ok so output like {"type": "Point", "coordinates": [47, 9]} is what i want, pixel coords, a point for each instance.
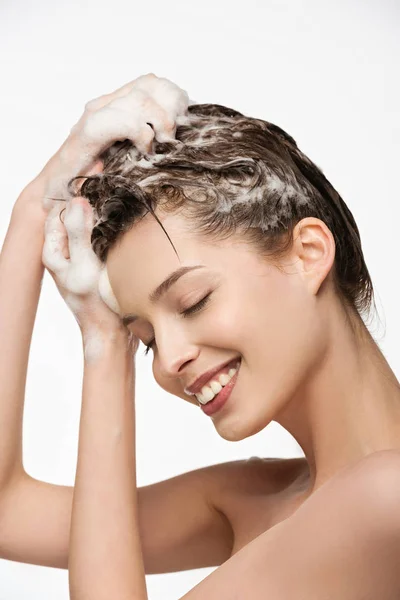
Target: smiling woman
{"type": "Point", "coordinates": [264, 248]}
{"type": "Point", "coordinates": [234, 259]}
{"type": "Point", "coordinates": [231, 256]}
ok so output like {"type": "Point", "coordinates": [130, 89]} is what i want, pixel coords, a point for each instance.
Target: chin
{"type": "Point", "coordinates": [237, 429]}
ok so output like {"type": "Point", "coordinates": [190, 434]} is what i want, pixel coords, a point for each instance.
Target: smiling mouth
{"type": "Point", "coordinates": [222, 379]}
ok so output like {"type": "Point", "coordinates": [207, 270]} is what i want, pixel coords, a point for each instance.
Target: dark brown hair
{"type": "Point", "coordinates": [228, 174]}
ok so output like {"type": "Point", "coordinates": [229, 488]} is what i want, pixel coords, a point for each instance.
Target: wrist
{"type": "Point", "coordinates": [101, 342]}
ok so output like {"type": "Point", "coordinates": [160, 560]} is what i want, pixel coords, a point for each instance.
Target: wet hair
{"type": "Point", "coordinates": [228, 174]}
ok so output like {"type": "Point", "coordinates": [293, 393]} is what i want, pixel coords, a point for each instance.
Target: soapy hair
{"type": "Point", "coordinates": [228, 174]}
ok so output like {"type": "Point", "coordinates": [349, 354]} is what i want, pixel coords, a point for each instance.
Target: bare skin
{"type": "Point", "coordinates": [342, 542]}
{"type": "Point", "coordinates": [233, 504]}
{"type": "Point", "coordinates": [301, 364]}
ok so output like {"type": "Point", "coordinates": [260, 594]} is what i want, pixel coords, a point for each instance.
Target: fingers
{"type": "Point", "coordinates": [164, 128]}
{"type": "Point", "coordinates": [84, 266]}
{"type": "Point", "coordinates": [55, 248]}
{"type": "Point", "coordinates": [67, 250]}
{"type": "Point", "coordinates": [96, 168]}
{"type": "Point", "coordinates": [106, 292]}
{"type": "Point", "coordinates": [146, 100]}
{"type": "Point", "coordinates": [78, 223]}
{"type": "Point", "coordinates": [168, 101]}
{"type": "Point", "coordinates": [93, 169]}
{"type": "Point", "coordinates": [122, 91]}
{"type": "Point", "coordinates": [123, 118]}
{"type": "Point", "coordinates": [142, 110]}
{"type": "Point", "coordinates": [165, 93]}
{"type": "Point", "coordinates": [113, 123]}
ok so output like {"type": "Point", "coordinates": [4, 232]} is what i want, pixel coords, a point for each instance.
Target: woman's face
{"type": "Point", "coordinates": [265, 317]}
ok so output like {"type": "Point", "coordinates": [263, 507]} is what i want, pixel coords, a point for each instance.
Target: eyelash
{"type": "Point", "coordinates": [185, 313]}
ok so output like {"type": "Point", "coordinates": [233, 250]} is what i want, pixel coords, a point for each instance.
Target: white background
{"type": "Point", "coordinates": [328, 73]}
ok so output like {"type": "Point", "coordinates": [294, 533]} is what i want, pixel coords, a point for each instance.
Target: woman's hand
{"type": "Point", "coordinates": [140, 111]}
{"type": "Point", "coordinates": [76, 270]}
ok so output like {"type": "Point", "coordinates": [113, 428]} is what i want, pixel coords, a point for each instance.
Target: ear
{"type": "Point", "coordinates": [314, 251]}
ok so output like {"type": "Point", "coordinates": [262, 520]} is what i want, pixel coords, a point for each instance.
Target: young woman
{"type": "Point", "coordinates": [211, 238]}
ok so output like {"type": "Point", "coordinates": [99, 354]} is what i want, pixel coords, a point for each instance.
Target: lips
{"type": "Point", "coordinates": [201, 381]}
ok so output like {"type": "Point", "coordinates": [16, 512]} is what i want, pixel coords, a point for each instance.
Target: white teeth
{"type": "Point", "coordinates": [215, 386]}
{"type": "Point", "coordinates": [208, 392]}
{"type": "Point", "coordinates": [224, 378]}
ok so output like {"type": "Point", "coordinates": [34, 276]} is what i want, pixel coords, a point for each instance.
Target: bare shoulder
{"type": "Point", "coordinates": [376, 461]}
{"type": "Point", "coordinates": [254, 494]}
{"type": "Point", "coordinates": [376, 478]}
{"type": "Point", "coordinates": [335, 542]}
{"type": "Point", "coordinates": [383, 461]}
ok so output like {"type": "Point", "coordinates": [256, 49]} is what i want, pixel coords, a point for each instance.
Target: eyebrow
{"type": "Point", "coordinates": [162, 289]}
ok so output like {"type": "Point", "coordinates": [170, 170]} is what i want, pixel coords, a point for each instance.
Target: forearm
{"type": "Point", "coordinates": [105, 552]}
{"type": "Point", "coordinates": [21, 273]}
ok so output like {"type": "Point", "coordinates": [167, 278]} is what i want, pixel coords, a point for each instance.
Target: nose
{"type": "Point", "coordinates": [175, 354]}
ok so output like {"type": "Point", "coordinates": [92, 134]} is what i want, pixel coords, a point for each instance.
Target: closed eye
{"type": "Point", "coordinates": [185, 313]}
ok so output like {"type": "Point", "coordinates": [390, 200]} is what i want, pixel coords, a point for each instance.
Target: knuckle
{"type": "Point", "coordinates": [96, 103]}
{"type": "Point", "coordinates": [147, 77]}
{"type": "Point", "coordinates": [92, 126]}
{"type": "Point", "coordinates": [88, 123]}
{"type": "Point", "coordinates": [89, 106]}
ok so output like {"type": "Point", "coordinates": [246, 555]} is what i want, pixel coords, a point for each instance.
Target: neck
{"type": "Point", "coordinates": [350, 406]}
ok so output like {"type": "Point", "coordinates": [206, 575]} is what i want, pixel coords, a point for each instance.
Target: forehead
{"type": "Point", "coordinates": [144, 257]}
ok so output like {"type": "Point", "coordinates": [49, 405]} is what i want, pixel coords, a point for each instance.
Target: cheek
{"type": "Point", "coordinates": [288, 343]}
{"type": "Point", "coordinates": [225, 325]}
{"type": "Point", "coordinates": [270, 319]}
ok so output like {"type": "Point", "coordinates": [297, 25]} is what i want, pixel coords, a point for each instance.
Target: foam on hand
{"type": "Point", "coordinates": [80, 276]}
{"type": "Point", "coordinates": [106, 292]}
{"type": "Point", "coordinates": [148, 99]}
